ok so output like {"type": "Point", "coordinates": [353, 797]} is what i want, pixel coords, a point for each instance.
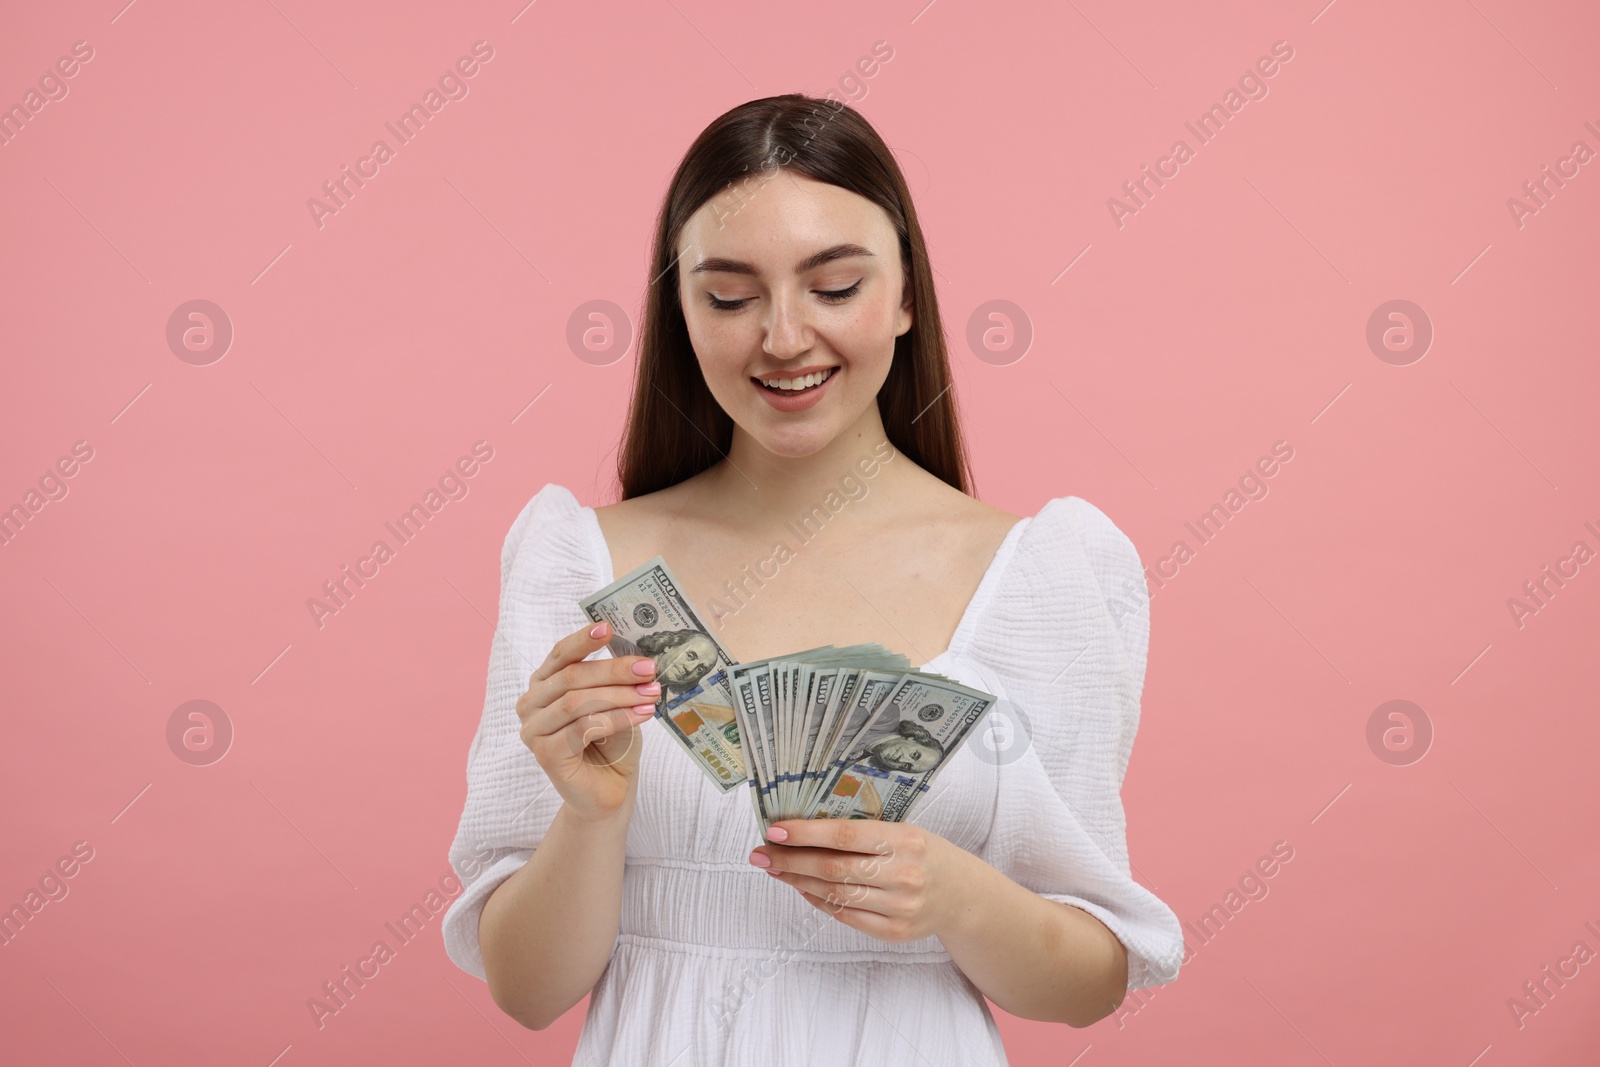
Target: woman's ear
{"type": "Point", "coordinates": [905, 319]}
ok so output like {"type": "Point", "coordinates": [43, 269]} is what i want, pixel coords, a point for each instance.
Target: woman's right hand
{"type": "Point", "coordinates": [580, 719]}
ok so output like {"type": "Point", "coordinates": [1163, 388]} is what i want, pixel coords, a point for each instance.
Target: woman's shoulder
{"type": "Point", "coordinates": [955, 522]}
{"type": "Point", "coordinates": [1072, 571]}
{"type": "Point", "coordinates": [1064, 531]}
{"type": "Point", "coordinates": [552, 519]}
{"type": "Point", "coordinates": [551, 503]}
{"type": "Point", "coordinates": [634, 529]}
{"type": "Point", "coordinates": [1072, 524]}
{"type": "Point", "coordinates": [1067, 633]}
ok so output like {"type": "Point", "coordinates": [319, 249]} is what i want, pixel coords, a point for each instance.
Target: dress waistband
{"type": "Point", "coordinates": [737, 910]}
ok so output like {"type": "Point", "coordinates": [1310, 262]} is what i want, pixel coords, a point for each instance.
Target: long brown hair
{"type": "Point", "coordinates": [676, 428]}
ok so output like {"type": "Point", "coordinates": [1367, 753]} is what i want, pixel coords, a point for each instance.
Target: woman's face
{"type": "Point", "coordinates": [792, 276]}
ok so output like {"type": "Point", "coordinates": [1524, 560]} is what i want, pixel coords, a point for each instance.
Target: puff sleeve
{"type": "Point", "coordinates": [1067, 636]}
{"type": "Point", "coordinates": [547, 564]}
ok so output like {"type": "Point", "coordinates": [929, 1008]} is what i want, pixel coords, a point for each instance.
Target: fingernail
{"type": "Point", "coordinates": [777, 833]}
{"type": "Point", "coordinates": [760, 859]}
{"type": "Point", "coordinates": [648, 689]}
{"type": "Point", "coordinates": [645, 668]}
{"type": "Point", "coordinates": [597, 629]}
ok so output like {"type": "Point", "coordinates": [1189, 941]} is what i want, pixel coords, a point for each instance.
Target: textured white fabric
{"type": "Point", "coordinates": [718, 963]}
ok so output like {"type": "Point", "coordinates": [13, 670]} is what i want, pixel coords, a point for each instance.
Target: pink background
{"type": "Point", "coordinates": [1230, 312]}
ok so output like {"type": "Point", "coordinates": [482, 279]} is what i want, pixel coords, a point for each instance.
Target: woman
{"type": "Point", "coordinates": [792, 333]}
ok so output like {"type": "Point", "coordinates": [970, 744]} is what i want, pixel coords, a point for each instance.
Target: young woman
{"type": "Point", "coordinates": [792, 451]}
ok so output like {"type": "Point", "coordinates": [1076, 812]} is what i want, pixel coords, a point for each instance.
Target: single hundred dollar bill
{"type": "Point", "coordinates": [889, 763]}
{"type": "Point", "coordinates": [650, 616]}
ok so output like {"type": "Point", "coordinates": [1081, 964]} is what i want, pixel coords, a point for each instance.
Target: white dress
{"type": "Point", "coordinates": [718, 963]}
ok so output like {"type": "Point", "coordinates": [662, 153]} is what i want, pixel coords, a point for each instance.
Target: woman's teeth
{"type": "Point", "coordinates": [797, 385]}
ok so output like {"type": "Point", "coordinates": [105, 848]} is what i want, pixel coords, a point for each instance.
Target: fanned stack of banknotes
{"type": "Point", "coordinates": [845, 733]}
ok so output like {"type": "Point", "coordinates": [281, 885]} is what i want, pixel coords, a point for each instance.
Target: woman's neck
{"type": "Point", "coordinates": [753, 483]}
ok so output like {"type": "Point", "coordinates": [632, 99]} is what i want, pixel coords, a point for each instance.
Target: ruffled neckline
{"type": "Point", "coordinates": [993, 575]}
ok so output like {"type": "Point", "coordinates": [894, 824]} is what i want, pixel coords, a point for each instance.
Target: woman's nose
{"type": "Point", "coordinates": [788, 334]}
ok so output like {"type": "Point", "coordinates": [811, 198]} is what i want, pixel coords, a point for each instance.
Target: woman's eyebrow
{"type": "Point", "coordinates": [719, 265]}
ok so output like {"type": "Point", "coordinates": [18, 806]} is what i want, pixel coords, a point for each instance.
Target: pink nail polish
{"type": "Point", "coordinates": [777, 833]}
{"type": "Point", "coordinates": [644, 668]}
{"type": "Point", "coordinates": [648, 689]}
{"type": "Point", "coordinates": [597, 629]}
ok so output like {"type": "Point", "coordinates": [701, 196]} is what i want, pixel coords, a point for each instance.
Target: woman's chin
{"type": "Point", "coordinates": [796, 442]}
{"type": "Point", "coordinates": [799, 439]}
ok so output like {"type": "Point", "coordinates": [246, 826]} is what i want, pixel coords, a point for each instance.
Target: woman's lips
{"type": "Point", "coordinates": [795, 401]}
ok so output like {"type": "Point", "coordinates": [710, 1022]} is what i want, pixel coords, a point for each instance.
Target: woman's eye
{"type": "Point", "coordinates": [831, 296]}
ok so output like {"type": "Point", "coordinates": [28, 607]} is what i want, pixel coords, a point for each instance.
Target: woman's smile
{"type": "Point", "coordinates": [796, 399]}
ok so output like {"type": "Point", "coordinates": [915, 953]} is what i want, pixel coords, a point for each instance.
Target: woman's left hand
{"type": "Point", "coordinates": [894, 881]}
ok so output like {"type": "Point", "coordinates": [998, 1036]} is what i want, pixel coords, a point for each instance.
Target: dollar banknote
{"type": "Point", "coordinates": [851, 733]}
{"type": "Point", "coordinates": [831, 733]}
{"type": "Point", "coordinates": [888, 764]}
{"type": "Point", "coordinates": [650, 616]}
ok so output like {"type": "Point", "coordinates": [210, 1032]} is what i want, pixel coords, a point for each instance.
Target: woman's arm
{"type": "Point", "coordinates": [547, 932]}
{"type": "Point", "coordinates": [1035, 958]}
